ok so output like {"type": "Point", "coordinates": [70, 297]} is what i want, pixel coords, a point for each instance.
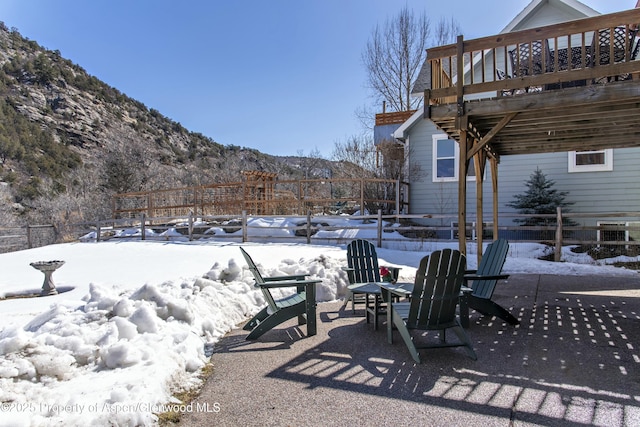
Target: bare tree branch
{"type": "Point", "coordinates": [395, 53]}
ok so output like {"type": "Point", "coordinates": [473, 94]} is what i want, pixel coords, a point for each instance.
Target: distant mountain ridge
{"type": "Point", "coordinates": [68, 142]}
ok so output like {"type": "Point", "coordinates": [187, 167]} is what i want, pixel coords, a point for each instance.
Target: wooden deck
{"type": "Point", "coordinates": [600, 114]}
{"type": "Point", "coordinates": [563, 87]}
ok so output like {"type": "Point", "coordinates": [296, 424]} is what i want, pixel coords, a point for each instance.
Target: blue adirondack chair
{"type": "Point", "coordinates": [301, 304]}
{"type": "Point", "coordinates": [483, 282]}
{"type": "Point", "coordinates": [433, 303]}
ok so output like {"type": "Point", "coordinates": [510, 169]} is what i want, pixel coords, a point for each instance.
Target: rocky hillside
{"type": "Point", "coordinates": [68, 142]}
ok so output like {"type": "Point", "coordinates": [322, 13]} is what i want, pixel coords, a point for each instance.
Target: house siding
{"type": "Point", "coordinates": [548, 14]}
{"type": "Point", "coordinates": [426, 196]}
{"type": "Point", "coordinates": [588, 192]}
{"type": "Point", "coordinates": [592, 192]}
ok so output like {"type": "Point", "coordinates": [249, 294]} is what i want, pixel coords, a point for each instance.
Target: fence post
{"type": "Point", "coordinates": [362, 197]}
{"type": "Point", "coordinates": [190, 226]}
{"type": "Point", "coordinates": [309, 226]}
{"type": "Point", "coordinates": [29, 242]}
{"type": "Point", "coordinates": [300, 197]}
{"type": "Point", "coordinates": [557, 256]}
{"type": "Point", "coordinates": [195, 202]}
{"type": "Point", "coordinates": [397, 197]}
{"type": "Point", "coordinates": [142, 227]}
{"type": "Point", "coordinates": [379, 228]}
{"type": "Point", "coordinates": [244, 226]}
{"type": "Point", "coordinates": [98, 231]}
{"type": "Point", "coordinates": [150, 205]}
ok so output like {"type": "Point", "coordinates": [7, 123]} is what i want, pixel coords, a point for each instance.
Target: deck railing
{"type": "Point", "coordinates": [585, 51]}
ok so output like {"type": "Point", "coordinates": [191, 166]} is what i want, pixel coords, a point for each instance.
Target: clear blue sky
{"type": "Point", "coordinates": [281, 76]}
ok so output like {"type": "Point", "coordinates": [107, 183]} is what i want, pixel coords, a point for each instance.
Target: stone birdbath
{"type": "Point", "coordinates": [47, 267]}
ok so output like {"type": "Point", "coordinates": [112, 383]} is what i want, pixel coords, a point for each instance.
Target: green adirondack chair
{"type": "Point", "coordinates": [364, 275]}
{"type": "Point", "coordinates": [301, 304]}
{"type": "Point", "coordinates": [433, 304]}
{"type": "Point", "coordinates": [362, 269]}
{"type": "Point", "coordinates": [483, 283]}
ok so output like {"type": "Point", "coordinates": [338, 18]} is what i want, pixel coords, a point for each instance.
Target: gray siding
{"type": "Point", "coordinates": [592, 192]}
{"type": "Point", "coordinates": [549, 14]}
{"type": "Point", "coordinates": [607, 191]}
{"type": "Point", "coordinates": [426, 196]}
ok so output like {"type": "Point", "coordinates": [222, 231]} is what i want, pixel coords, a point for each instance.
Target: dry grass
{"type": "Point", "coordinates": [167, 419]}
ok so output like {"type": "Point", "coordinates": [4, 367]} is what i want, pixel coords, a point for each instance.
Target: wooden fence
{"type": "Point", "coordinates": [617, 232]}
{"type": "Point", "coordinates": [279, 197]}
{"type": "Point", "coordinates": [27, 237]}
{"type": "Point", "coordinates": [610, 234]}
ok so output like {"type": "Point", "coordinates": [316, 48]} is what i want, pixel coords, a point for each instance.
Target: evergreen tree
{"type": "Point", "coordinates": [540, 199]}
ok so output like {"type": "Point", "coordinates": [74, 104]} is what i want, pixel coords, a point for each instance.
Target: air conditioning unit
{"type": "Point", "coordinates": [618, 231]}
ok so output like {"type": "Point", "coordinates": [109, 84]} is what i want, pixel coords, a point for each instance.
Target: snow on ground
{"type": "Point", "coordinates": [140, 316]}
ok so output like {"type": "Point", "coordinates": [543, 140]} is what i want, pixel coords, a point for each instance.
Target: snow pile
{"type": "Point", "coordinates": [116, 357]}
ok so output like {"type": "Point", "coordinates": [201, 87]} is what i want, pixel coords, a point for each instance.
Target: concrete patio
{"type": "Point", "coordinates": [573, 360]}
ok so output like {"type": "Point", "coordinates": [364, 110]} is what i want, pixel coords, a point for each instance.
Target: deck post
{"type": "Point", "coordinates": [460, 76]}
{"type": "Point", "coordinates": [462, 124]}
{"type": "Point", "coordinates": [462, 193]}
{"type": "Point", "coordinates": [479, 160]}
{"type": "Point", "coordinates": [494, 185]}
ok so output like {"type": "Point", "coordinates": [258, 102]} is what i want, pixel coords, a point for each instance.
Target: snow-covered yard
{"type": "Point", "coordinates": [138, 320]}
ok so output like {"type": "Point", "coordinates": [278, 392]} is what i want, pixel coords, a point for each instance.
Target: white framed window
{"type": "Point", "coordinates": [591, 161]}
{"type": "Point", "coordinates": [446, 160]}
